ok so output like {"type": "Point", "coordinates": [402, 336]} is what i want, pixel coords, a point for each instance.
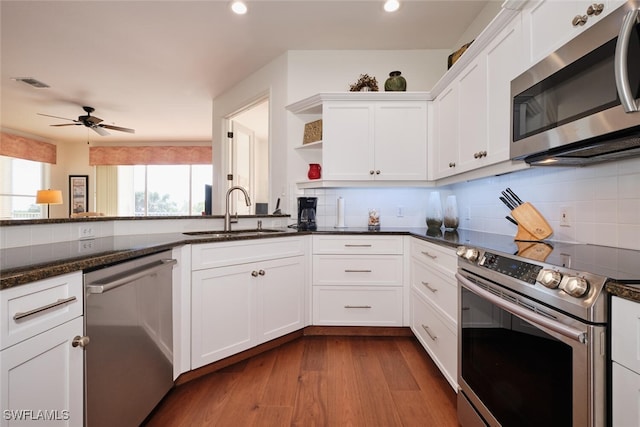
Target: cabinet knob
{"type": "Point", "coordinates": [595, 9]}
{"type": "Point", "coordinates": [452, 165]}
{"type": "Point", "coordinates": [80, 341]}
{"type": "Point", "coordinates": [377, 172]}
{"type": "Point", "coordinates": [579, 20]}
{"type": "Point", "coordinates": [371, 172]}
{"type": "Point", "coordinates": [254, 273]}
{"type": "Point", "coordinates": [262, 272]}
{"type": "Point", "coordinates": [476, 155]}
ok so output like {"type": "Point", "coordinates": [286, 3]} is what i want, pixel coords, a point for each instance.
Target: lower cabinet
{"type": "Point", "coordinates": [625, 382]}
{"type": "Point", "coordinates": [358, 280]}
{"type": "Point", "coordinates": [437, 334]}
{"type": "Point", "coordinates": [41, 371]}
{"type": "Point", "coordinates": [240, 306]}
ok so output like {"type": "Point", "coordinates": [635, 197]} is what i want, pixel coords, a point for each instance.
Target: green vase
{"type": "Point", "coordinates": [395, 82]}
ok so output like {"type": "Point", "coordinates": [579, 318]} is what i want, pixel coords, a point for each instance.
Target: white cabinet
{"type": "Point", "coordinates": [472, 113]}
{"type": "Point", "coordinates": [370, 136]}
{"type": "Point", "coordinates": [549, 24]}
{"type": "Point", "coordinates": [358, 280]}
{"type": "Point", "coordinates": [41, 372]}
{"type": "Point", "coordinates": [255, 293]}
{"type": "Point", "coordinates": [434, 304]}
{"type": "Point", "coordinates": [625, 355]}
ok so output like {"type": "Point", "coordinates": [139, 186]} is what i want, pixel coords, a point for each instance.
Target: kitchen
{"type": "Point", "coordinates": [602, 199]}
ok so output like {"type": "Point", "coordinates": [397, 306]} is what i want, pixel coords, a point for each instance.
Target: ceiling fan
{"type": "Point", "coordinates": [91, 122]}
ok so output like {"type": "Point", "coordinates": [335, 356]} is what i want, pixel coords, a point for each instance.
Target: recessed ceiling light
{"type": "Point", "coordinates": [31, 82]}
{"type": "Point", "coordinates": [391, 5]}
{"type": "Point", "coordinates": [239, 7]}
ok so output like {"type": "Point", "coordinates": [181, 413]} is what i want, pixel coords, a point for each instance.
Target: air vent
{"type": "Point", "coordinates": [31, 82]}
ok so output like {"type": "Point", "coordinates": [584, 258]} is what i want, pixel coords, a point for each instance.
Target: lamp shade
{"type": "Point", "coordinates": [50, 197]}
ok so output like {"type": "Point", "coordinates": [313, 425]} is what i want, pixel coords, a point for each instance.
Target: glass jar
{"type": "Point", "coordinates": [434, 210]}
{"type": "Point", "coordinates": [451, 220]}
{"type": "Point", "coordinates": [373, 222]}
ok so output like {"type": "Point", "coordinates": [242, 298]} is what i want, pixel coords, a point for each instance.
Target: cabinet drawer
{"type": "Point", "coordinates": [211, 255]}
{"type": "Point", "coordinates": [625, 333]}
{"type": "Point", "coordinates": [357, 306]}
{"type": "Point", "coordinates": [437, 288]}
{"type": "Point", "coordinates": [434, 255]}
{"type": "Point", "coordinates": [351, 244]}
{"type": "Point", "coordinates": [437, 336]}
{"type": "Point", "coordinates": [368, 270]}
{"type": "Point", "coordinates": [28, 310]}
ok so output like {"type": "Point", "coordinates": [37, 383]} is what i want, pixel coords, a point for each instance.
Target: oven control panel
{"type": "Point", "coordinates": [511, 267]}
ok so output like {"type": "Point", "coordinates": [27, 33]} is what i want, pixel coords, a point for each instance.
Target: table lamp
{"type": "Point", "coordinates": [49, 197]}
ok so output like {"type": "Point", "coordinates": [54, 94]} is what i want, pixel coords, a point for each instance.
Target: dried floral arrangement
{"type": "Point", "coordinates": [364, 81]}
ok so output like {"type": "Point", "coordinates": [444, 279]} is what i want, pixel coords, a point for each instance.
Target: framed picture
{"type": "Point", "coordinates": [78, 193]}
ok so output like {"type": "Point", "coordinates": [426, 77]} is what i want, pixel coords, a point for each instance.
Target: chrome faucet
{"type": "Point", "coordinates": [227, 216]}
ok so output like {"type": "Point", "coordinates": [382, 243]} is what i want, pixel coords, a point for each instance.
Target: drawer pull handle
{"type": "Point", "coordinates": [431, 288]}
{"type": "Point", "coordinates": [429, 255]}
{"type": "Point", "coordinates": [356, 246]}
{"type": "Point", "coordinates": [60, 302]}
{"type": "Point", "coordinates": [357, 271]}
{"type": "Point", "coordinates": [428, 331]}
{"type": "Point", "coordinates": [357, 306]}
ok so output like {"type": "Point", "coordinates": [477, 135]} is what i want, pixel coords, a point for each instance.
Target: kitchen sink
{"type": "Point", "coordinates": [220, 234]}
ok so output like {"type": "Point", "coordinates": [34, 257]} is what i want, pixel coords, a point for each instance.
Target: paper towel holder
{"type": "Point", "coordinates": [340, 214]}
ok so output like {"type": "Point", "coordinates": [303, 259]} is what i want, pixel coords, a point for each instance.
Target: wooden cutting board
{"type": "Point", "coordinates": [532, 221]}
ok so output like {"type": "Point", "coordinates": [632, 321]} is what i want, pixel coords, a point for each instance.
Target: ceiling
{"type": "Point", "coordinates": [156, 65]}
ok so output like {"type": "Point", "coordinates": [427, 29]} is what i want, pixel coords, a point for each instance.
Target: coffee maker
{"type": "Point", "coordinates": [307, 213]}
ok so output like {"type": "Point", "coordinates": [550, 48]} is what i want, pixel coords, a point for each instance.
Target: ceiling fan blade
{"type": "Point", "coordinates": [55, 117]}
{"type": "Point", "coordinates": [67, 124]}
{"type": "Point", "coordinates": [91, 119]}
{"type": "Point", "coordinates": [98, 129]}
{"type": "Point", "coordinates": [121, 129]}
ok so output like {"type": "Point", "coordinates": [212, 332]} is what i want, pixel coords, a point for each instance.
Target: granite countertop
{"type": "Point", "coordinates": [26, 264]}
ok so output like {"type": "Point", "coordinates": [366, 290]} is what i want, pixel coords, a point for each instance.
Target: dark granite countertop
{"type": "Point", "coordinates": [26, 264]}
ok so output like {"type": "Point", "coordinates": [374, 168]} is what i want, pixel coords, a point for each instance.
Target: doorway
{"type": "Point", "coordinates": [248, 162]}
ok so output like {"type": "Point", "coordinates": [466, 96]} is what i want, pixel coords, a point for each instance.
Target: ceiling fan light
{"type": "Point", "coordinates": [391, 5]}
{"type": "Point", "coordinates": [239, 7]}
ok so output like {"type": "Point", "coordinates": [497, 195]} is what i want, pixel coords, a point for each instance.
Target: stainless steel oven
{"type": "Point", "coordinates": [532, 343]}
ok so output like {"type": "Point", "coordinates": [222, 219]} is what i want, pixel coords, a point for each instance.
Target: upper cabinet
{"type": "Point", "coordinates": [471, 118]}
{"type": "Point", "coordinates": [551, 23]}
{"type": "Point", "coordinates": [369, 136]}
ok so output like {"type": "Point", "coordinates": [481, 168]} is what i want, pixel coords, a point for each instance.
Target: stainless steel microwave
{"type": "Point", "coordinates": [581, 104]}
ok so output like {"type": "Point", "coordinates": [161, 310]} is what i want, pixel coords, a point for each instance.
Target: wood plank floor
{"type": "Point", "coordinates": [318, 381]}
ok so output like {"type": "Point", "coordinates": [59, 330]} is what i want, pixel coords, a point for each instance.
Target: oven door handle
{"type": "Point", "coordinates": [620, 63]}
{"type": "Point", "coordinates": [524, 313]}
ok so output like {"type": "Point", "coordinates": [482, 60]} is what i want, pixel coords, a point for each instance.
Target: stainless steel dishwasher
{"type": "Point", "coordinates": [129, 350]}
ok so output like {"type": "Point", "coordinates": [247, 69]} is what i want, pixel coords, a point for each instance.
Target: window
{"type": "Point", "coordinates": [162, 190]}
{"type": "Point", "coordinates": [20, 181]}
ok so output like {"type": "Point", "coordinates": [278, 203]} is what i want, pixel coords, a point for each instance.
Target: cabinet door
{"type": "Point", "coordinates": [625, 396]}
{"type": "Point", "coordinates": [446, 132]}
{"type": "Point", "coordinates": [281, 294]}
{"type": "Point", "coordinates": [401, 140]}
{"type": "Point", "coordinates": [347, 145]}
{"type": "Point", "coordinates": [549, 23]}
{"type": "Point", "coordinates": [472, 138]}
{"type": "Point", "coordinates": [42, 378]}
{"type": "Point", "coordinates": [505, 61]}
{"type": "Point", "coordinates": [223, 309]}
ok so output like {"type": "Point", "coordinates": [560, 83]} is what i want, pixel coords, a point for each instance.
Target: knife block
{"type": "Point", "coordinates": [531, 223]}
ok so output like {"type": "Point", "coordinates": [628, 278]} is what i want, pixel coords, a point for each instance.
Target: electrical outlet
{"type": "Point", "coordinates": [566, 260]}
{"type": "Point", "coordinates": [86, 232]}
{"type": "Point", "coordinates": [566, 216]}
{"type": "Point", "coordinates": [467, 215]}
{"type": "Point", "coordinates": [400, 212]}
{"type": "Point", "coordinates": [86, 245]}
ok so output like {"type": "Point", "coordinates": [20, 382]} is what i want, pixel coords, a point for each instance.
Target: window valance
{"type": "Point", "coordinates": [26, 148]}
{"type": "Point", "coordinates": [151, 155]}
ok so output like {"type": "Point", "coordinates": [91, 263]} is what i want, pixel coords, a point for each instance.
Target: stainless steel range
{"type": "Point", "coordinates": [533, 332]}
